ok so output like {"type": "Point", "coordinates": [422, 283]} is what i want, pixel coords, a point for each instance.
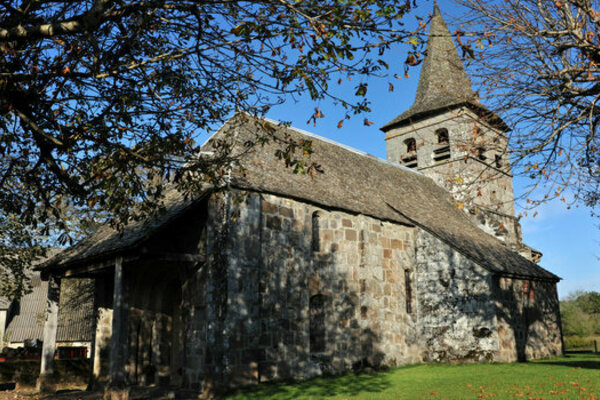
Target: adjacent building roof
{"type": "Point", "coordinates": [106, 241]}
{"type": "Point", "coordinates": [4, 303]}
{"type": "Point", "coordinates": [443, 83]}
{"type": "Point", "coordinates": [75, 317]}
{"type": "Point", "coordinates": [352, 181]}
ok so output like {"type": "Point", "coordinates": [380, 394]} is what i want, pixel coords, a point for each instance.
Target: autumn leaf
{"type": "Point", "coordinates": [361, 90]}
{"type": "Point", "coordinates": [367, 122]}
{"type": "Point", "coordinates": [412, 61]}
{"type": "Point", "coordinates": [340, 124]}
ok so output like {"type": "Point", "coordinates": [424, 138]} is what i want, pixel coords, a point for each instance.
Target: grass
{"type": "Point", "coordinates": [575, 376]}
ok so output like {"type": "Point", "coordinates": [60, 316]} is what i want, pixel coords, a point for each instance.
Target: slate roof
{"type": "Point", "coordinates": [352, 181]}
{"type": "Point", "coordinates": [443, 83]}
{"type": "Point", "coordinates": [4, 303]}
{"type": "Point", "coordinates": [106, 241]}
{"type": "Point", "coordinates": [75, 318]}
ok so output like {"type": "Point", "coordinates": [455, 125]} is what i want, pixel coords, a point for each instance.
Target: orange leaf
{"type": "Point", "coordinates": [368, 123]}
{"type": "Point", "coordinates": [339, 125]}
{"type": "Point", "coordinates": [66, 70]}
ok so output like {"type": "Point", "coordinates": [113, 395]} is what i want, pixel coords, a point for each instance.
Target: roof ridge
{"type": "Point", "coordinates": [343, 146]}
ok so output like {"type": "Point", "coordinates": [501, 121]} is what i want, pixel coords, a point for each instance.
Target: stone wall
{"type": "Point", "coordinates": [244, 308]}
{"type": "Point", "coordinates": [273, 270]}
{"type": "Point", "coordinates": [457, 320]}
{"type": "Point", "coordinates": [478, 183]}
{"type": "Point", "coordinates": [528, 319]}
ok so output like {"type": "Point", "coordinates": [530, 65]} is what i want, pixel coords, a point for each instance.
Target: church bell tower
{"type": "Point", "coordinates": [448, 135]}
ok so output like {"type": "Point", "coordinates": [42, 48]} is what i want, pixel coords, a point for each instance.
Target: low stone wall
{"type": "Point", "coordinates": [26, 373]}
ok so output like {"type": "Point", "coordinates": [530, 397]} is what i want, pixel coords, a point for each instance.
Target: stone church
{"type": "Point", "coordinates": [418, 258]}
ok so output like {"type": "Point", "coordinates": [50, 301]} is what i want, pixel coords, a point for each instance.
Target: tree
{"type": "Point", "coordinates": [537, 63]}
{"type": "Point", "coordinates": [580, 313]}
{"type": "Point", "coordinates": [17, 253]}
{"type": "Point", "coordinates": [101, 100]}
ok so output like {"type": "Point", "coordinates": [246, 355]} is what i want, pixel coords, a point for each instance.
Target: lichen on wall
{"type": "Point", "coordinates": [456, 316]}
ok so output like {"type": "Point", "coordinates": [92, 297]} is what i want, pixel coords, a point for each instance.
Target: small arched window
{"type": "Point", "coordinates": [442, 136]}
{"type": "Point", "coordinates": [481, 153]}
{"type": "Point", "coordinates": [498, 160]}
{"type": "Point", "coordinates": [317, 323]}
{"type": "Point", "coordinates": [409, 159]}
{"type": "Point", "coordinates": [315, 240]}
{"type": "Point", "coordinates": [441, 150]}
{"type": "Point", "coordinates": [408, 291]}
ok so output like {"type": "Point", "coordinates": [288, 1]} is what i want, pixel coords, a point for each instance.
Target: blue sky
{"type": "Point", "coordinates": [569, 239]}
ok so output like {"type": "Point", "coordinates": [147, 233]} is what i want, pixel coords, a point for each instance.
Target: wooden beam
{"type": "Point", "coordinates": [119, 339]}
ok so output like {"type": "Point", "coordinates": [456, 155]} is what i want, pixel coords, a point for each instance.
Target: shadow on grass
{"type": "Point", "coordinates": [346, 385]}
{"type": "Point", "coordinates": [578, 360]}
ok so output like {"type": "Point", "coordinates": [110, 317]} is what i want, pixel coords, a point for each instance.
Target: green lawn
{"type": "Point", "coordinates": [576, 376]}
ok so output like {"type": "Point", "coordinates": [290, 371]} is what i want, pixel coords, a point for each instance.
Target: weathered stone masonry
{"type": "Point", "coordinates": [460, 321]}
{"type": "Point", "coordinates": [273, 271]}
{"type": "Point", "coordinates": [456, 316]}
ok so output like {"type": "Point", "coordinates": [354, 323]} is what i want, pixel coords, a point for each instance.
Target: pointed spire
{"type": "Point", "coordinates": [436, 9]}
{"type": "Point", "coordinates": [443, 82]}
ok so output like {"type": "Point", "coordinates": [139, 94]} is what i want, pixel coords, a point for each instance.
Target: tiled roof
{"type": "Point", "coordinates": [352, 181]}
{"type": "Point", "coordinates": [75, 316]}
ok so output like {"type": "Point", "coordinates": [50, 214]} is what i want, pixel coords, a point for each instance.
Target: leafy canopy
{"type": "Point", "coordinates": [538, 62]}
{"type": "Point", "coordinates": [101, 101]}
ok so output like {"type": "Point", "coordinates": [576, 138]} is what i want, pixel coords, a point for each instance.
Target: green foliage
{"type": "Point", "coordinates": [18, 252]}
{"type": "Point", "coordinates": [102, 101]}
{"type": "Point", "coordinates": [537, 64]}
{"type": "Point", "coordinates": [574, 377]}
{"type": "Point", "coordinates": [580, 313]}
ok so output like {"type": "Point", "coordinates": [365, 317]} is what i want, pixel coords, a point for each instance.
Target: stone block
{"type": "Point", "coordinates": [117, 394]}
{"type": "Point", "coordinates": [351, 235]}
{"type": "Point", "coordinates": [273, 222]}
{"type": "Point", "coordinates": [396, 244]}
{"type": "Point", "coordinates": [269, 208]}
{"type": "Point", "coordinates": [286, 212]}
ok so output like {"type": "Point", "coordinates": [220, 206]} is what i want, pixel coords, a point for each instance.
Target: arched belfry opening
{"type": "Point", "coordinates": [460, 142]}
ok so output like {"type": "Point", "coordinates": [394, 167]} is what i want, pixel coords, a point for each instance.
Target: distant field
{"type": "Point", "coordinates": [576, 376]}
{"type": "Point", "coordinates": [578, 343]}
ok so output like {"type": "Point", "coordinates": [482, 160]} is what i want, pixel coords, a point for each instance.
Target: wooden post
{"type": "Point", "coordinates": [45, 383]}
{"type": "Point", "coordinates": [118, 340]}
